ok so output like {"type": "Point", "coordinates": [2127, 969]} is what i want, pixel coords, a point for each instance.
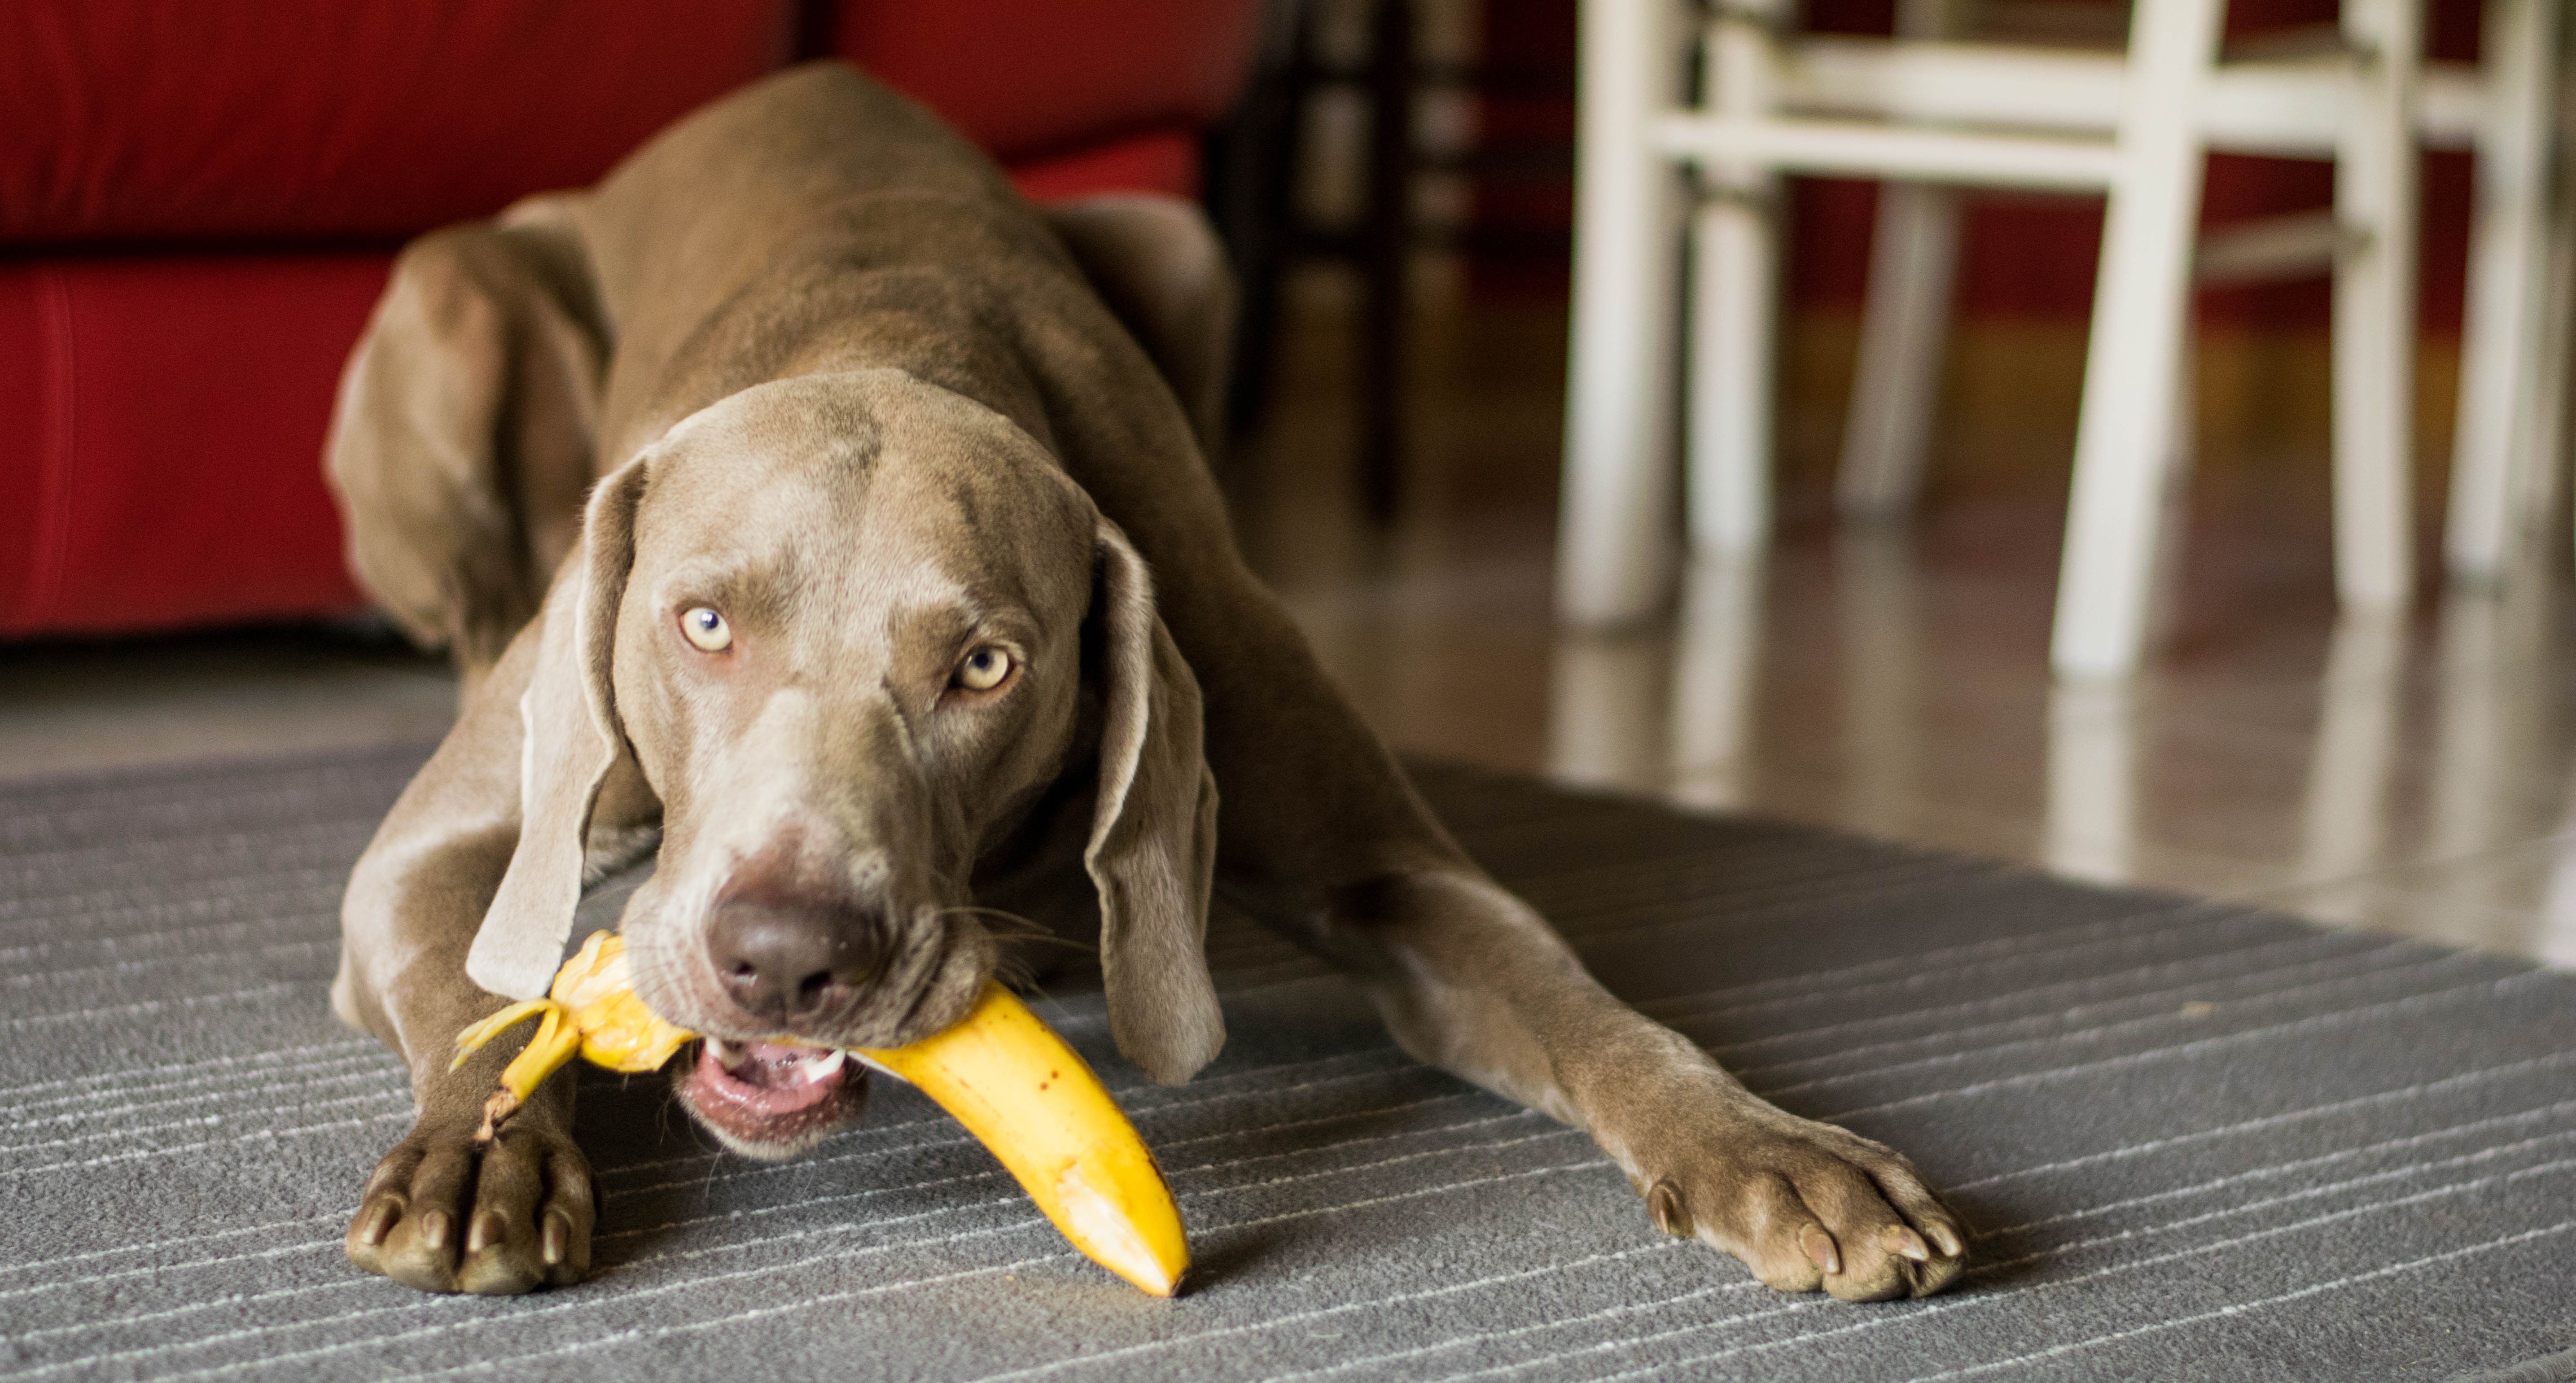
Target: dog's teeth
{"type": "Point", "coordinates": [726, 1053]}
{"type": "Point", "coordinates": [814, 1068]}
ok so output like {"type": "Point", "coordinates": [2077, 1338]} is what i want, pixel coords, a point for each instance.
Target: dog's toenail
{"type": "Point", "coordinates": [1948, 1239]}
{"type": "Point", "coordinates": [377, 1222]}
{"type": "Point", "coordinates": [433, 1230]}
{"type": "Point", "coordinates": [488, 1229]}
{"type": "Point", "coordinates": [1900, 1240]}
{"type": "Point", "coordinates": [1664, 1202]}
{"type": "Point", "coordinates": [1820, 1250]}
{"type": "Point", "coordinates": [557, 1239]}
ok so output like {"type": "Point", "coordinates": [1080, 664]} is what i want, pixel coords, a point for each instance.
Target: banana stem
{"type": "Point", "coordinates": [557, 1041]}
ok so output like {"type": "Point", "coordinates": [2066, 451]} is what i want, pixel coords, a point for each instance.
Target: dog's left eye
{"type": "Point", "coordinates": [983, 668]}
{"type": "Point", "coordinates": [706, 630]}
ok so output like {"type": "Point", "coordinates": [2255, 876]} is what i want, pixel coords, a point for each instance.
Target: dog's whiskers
{"type": "Point", "coordinates": [1011, 926]}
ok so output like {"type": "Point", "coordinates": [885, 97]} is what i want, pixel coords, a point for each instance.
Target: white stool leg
{"type": "Point", "coordinates": [2173, 503]}
{"type": "Point", "coordinates": [2500, 343]}
{"type": "Point", "coordinates": [1615, 536]}
{"type": "Point", "coordinates": [1734, 344]}
{"type": "Point", "coordinates": [2554, 367]}
{"type": "Point", "coordinates": [2541, 435]}
{"type": "Point", "coordinates": [2374, 310]}
{"type": "Point", "coordinates": [1735, 262]}
{"type": "Point", "coordinates": [1913, 258]}
{"type": "Point", "coordinates": [1904, 327]}
{"type": "Point", "coordinates": [2135, 346]}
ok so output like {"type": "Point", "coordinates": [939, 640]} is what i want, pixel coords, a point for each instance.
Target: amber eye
{"type": "Point", "coordinates": [984, 667]}
{"type": "Point", "coordinates": [706, 629]}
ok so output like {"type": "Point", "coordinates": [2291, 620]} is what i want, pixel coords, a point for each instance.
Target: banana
{"type": "Point", "coordinates": [1026, 1096]}
{"type": "Point", "coordinates": [1032, 1102]}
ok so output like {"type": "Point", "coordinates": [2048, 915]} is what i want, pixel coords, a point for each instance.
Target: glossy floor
{"type": "Point", "coordinates": [2408, 773]}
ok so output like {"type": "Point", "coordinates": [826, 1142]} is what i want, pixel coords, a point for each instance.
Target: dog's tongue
{"type": "Point", "coordinates": [768, 1077]}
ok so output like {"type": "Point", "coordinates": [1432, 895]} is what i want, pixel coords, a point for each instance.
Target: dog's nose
{"type": "Point", "coordinates": [786, 963]}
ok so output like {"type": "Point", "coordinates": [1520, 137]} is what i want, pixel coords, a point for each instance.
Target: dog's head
{"type": "Point", "coordinates": [850, 627]}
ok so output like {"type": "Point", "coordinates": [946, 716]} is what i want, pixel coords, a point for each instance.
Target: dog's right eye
{"type": "Point", "coordinates": [706, 629]}
{"type": "Point", "coordinates": [983, 668]}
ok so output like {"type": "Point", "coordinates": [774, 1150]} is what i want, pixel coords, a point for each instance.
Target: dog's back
{"type": "Point", "coordinates": [818, 220]}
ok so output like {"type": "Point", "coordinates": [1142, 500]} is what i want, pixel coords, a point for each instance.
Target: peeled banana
{"type": "Point", "coordinates": [1015, 1085]}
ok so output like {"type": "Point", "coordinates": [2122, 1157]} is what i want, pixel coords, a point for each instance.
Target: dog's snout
{"type": "Point", "coordinates": [787, 962]}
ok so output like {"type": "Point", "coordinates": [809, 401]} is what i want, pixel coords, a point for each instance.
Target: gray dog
{"type": "Point", "coordinates": [901, 593]}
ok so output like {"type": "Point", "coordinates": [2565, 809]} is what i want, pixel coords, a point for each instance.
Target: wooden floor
{"type": "Point", "coordinates": [2410, 774]}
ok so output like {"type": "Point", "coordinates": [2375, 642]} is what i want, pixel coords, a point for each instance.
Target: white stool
{"type": "Point", "coordinates": [2133, 127]}
{"type": "Point", "coordinates": [2507, 452]}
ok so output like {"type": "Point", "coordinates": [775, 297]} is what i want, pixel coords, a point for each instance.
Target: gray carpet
{"type": "Point", "coordinates": [2197, 1142]}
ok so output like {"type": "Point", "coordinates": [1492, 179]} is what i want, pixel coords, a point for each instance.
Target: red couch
{"type": "Point", "coordinates": [199, 199]}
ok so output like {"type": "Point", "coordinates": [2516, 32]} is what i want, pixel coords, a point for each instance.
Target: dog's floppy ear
{"type": "Point", "coordinates": [1153, 834]}
{"type": "Point", "coordinates": [573, 737]}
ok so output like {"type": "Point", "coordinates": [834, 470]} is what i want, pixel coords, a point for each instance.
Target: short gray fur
{"type": "Point", "coordinates": [2357, 1161]}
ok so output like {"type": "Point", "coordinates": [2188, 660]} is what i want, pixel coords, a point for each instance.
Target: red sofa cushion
{"type": "Point", "coordinates": [136, 119]}
{"type": "Point", "coordinates": [163, 420]}
{"type": "Point", "coordinates": [1029, 77]}
{"type": "Point", "coordinates": [161, 119]}
{"type": "Point", "coordinates": [1154, 161]}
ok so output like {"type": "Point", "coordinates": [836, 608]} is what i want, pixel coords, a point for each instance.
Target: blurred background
{"type": "Point", "coordinates": [192, 236]}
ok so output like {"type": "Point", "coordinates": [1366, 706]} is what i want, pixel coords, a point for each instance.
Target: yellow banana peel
{"type": "Point", "coordinates": [617, 1031]}
{"type": "Point", "coordinates": [1027, 1096]}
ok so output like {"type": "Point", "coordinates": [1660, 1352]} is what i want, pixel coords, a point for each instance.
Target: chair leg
{"type": "Point", "coordinates": [1913, 261]}
{"type": "Point", "coordinates": [2553, 367]}
{"type": "Point", "coordinates": [2165, 585]}
{"type": "Point", "coordinates": [1615, 536]}
{"type": "Point", "coordinates": [2121, 462]}
{"type": "Point", "coordinates": [1386, 261]}
{"type": "Point", "coordinates": [2544, 471]}
{"type": "Point", "coordinates": [2500, 340]}
{"type": "Point", "coordinates": [1904, 328]}
{"type": "Point", "coordinates": [1734, 330]}
{"type": "Point", "coordinates": [1735, 261]}
{"type": "Point", "coordinates": [2374, 311]}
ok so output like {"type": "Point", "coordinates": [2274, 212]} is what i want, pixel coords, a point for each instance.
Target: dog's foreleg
{"type": "Point", "coordinates": [1471, 979]}
{"type": "Point", "coordinates": [443, 1212]}
{"type": "Point", "coordinates": [1323, 838]}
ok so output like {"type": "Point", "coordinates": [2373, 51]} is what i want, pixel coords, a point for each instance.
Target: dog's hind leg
{"type": "Point", "coordinates": [463, 438]}
{"type": "Point", "coordinates": [1156, 262]}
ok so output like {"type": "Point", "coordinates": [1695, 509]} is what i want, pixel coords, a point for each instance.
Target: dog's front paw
{"type": "Point", "coordinates": [1805, 1205]}
{"type": "Point", "coordinates": [445, 1215]}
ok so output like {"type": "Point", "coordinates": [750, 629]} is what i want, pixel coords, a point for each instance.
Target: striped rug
{"type": "Point", "coordinates": [2196, 1141]}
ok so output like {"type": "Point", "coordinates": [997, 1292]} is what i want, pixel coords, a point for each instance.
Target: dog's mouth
{"type": "Point", "coordinates": [769, 1099]}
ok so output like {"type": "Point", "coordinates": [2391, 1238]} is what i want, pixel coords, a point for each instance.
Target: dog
{"type": "Point", "coordinates": [804, 508]}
